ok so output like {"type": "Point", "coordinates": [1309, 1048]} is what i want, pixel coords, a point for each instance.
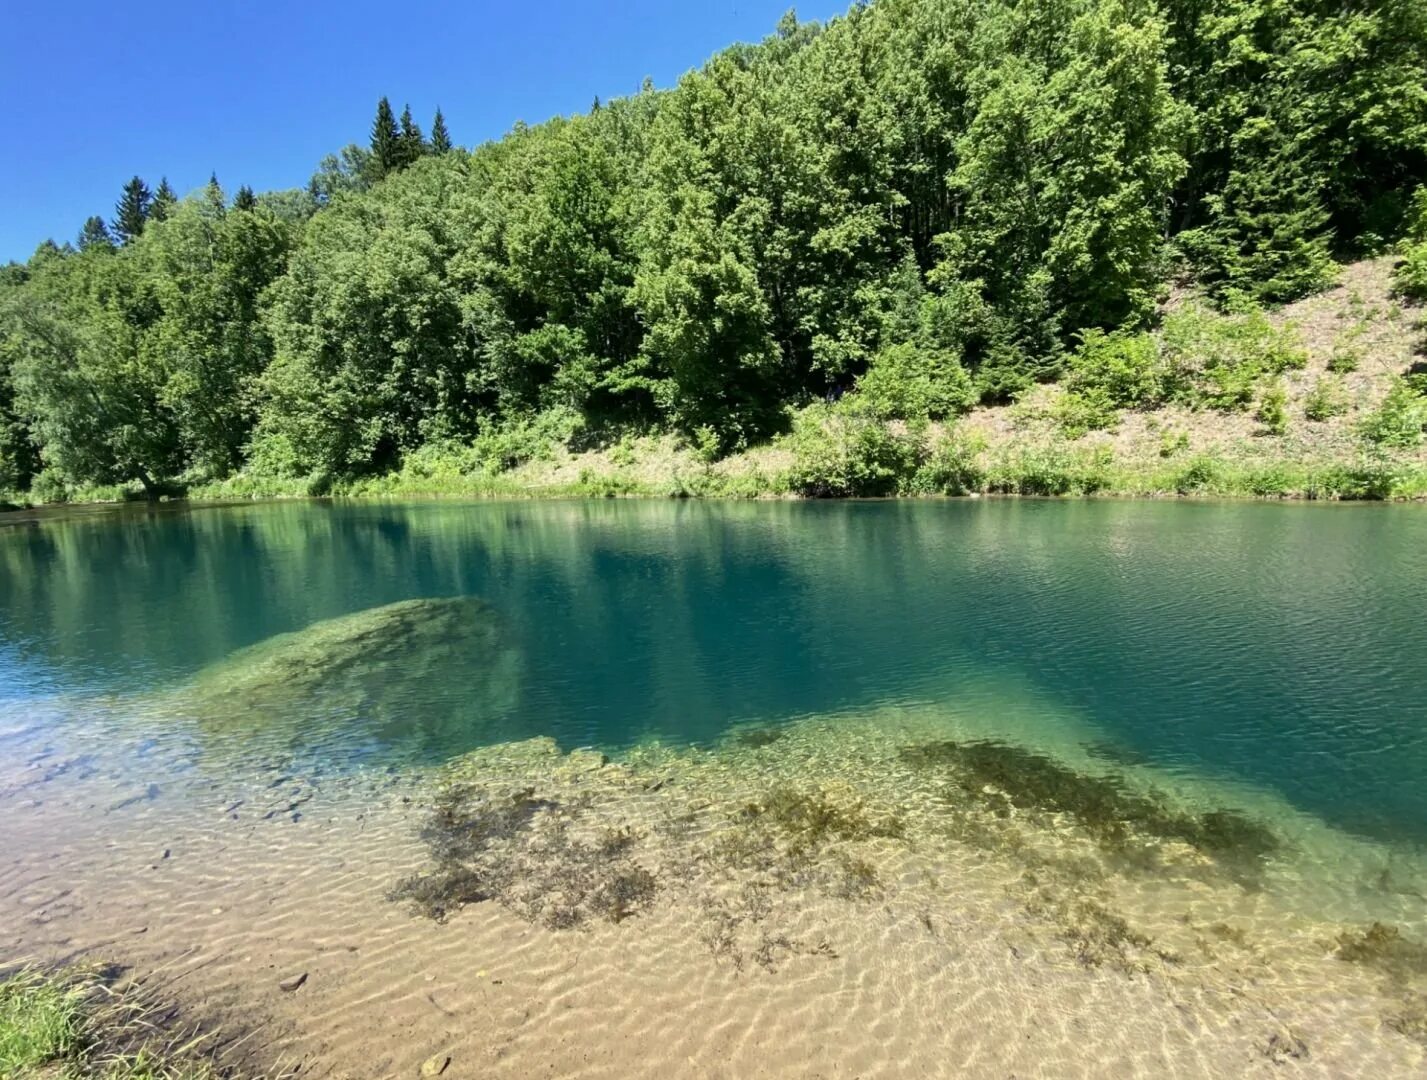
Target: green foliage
{"type": "Point", "coordinates": [953, 467]}
{"type": "Point", "coordinates": [95, 234]}
{"type": "Point", "coordinates": [920, 204]}
{"type": "Point", "coordinates": [1273, 410]}
{"type": "Point", "coordinates": [1410, 275]}
{"type": "Point", "coordinates": [387, 152]}
{"type": "Point", "coordinates": [1218, 361]}
{"type": "Point", "coordinates": [1326, 400]}
{"type": "Point", "coordinates": [1400, 420]}
{"type": "Point", "coordinates": [905, 382]}
{"type": "Point", "coordinates": [440, 137]}
{"type": "Point", "coordinates": [836, 454]}
{"type": "Point", "coordinates": [132, 211]}
{"type": "Point", "coordinates": [1123, 367]}
{"type": "Point", "coordinates": [1344, 360]}
{"type": "Point", "coordinates": [165, 199]}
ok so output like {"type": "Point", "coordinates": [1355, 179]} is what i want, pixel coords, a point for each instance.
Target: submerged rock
{"type": "Point", "coordinates": [414, 670]}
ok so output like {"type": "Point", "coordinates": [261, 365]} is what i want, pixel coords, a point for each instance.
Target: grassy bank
{"type": "Point", "coordinates": [75, 1025]}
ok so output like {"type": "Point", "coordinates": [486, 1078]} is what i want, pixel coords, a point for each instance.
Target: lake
{"type": "Point", "coordinates": [1230, 689]}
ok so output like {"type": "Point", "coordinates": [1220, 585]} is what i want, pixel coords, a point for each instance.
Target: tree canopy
{"type": "Point", "coordinates": [934, 199]}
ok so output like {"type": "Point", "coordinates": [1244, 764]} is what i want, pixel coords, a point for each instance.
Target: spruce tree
{"type": "Point", "coordinates": [386, 142]}
{"type": "Point", "coordinates": [132, 210]}
{"type": "Point", "coordinates": [164, 201]}
{"type": "Point", "coordinates": [213, 192]}
{"type": "Point", "coordinates": [95, 234]}
{"type": "Point", "coordinates": [413, 144]}
{"type": "Point", "coordinates": [440, 137]}
{"type": "Point", "coordinates": [245, 199]}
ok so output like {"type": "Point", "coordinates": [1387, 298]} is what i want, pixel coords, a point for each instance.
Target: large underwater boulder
{"type": "Point", "coordinates": [433, 674]}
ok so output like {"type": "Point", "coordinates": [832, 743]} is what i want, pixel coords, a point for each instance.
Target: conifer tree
{"type": "Point", "coordinates": [164, 200]}
{"type": "Point", "coordinates": [386, 142]}
{"type": "Point", "coordinates": [132, 210]}
{"type": "Point", "coordinates": [245, 199]}
{"type": "Point", "coordinates": [413, 144]}
{"type": "Point", "coordinates": [440, 137]}
{"type": "Point", "coordinates": [95, 234]}
{"type": "Point", "coordinates": [213, 192]}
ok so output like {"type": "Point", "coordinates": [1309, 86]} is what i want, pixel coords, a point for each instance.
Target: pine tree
{"type": "Point", "coordinates": [164, 201]}
{"type": "Point", "coordinates": [245, 199]}
{"type": "Point", "coordinates": [440, 137]}
{"type": "Point", "coordinates": [213, 192]}
{"type": "Point", "coordinates": [132, 210]}
{"type": "Point", "coordinates": [386, 142]}
{"type": "Point", "coordinates": [413, 144]}
{"type": "Point", "coordinates": [95, 234]}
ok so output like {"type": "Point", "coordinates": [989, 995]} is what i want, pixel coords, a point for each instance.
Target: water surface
{"type": "Point", "coordinates": [1280, 646]}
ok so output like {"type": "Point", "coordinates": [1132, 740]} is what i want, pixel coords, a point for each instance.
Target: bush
{"type": "Point", "coordinates": [1344, 361]}
{"type": "Point", "coordinates": [1217, 361]}
{"type": "Point", "coordinates": [905, 382]}
{"type": "Point", "coordinates": [953, 468]}
{"type": "Point", "coordinates": [1273, 410]}
{"type": "Point", "coordinates": [1326, 400]}
{"type": "Point", "coordinates": [516, 441]}
{"type": "Point", "coordinates": [1079, 412]}
{"type": "Point", "coordinates": [49, 487]}
{"type": "Point", "coordinates": [1399, 421]}
{"type": "Point", "coordinates": [1123, 369]}
{"type": "Point", "coordinates": [1409, 279]}
{"type": "Point", "coordinates": [838, 453]}
{"type": "Point", "coordinates": [1202, 473]}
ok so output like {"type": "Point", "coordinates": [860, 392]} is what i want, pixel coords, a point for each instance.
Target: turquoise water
{"type": "Point", "coordinates": [1282, 646]}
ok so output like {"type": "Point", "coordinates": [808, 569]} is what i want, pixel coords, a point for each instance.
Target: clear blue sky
{"type": "Point", "coordinates": [260, 91]}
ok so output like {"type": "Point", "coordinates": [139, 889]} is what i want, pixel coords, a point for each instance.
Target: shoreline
{"type": "Point", "coordinates": [487, 907]}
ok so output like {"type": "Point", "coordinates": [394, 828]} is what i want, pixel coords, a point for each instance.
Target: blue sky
{"type": "Point", "coordinates": [259, 92]}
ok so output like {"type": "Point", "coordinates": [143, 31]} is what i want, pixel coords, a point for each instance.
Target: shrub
{"type": "Point", "coordinates": [1217, 361]}
{"type": "Point", "coordinates": [905, 382]}
{"type": "Point", "coordinates": [516, 441]}
{"type": "Point", "coordinates": [1078, 412]}
{"type": "Point", "coordinates": [838, 453]}
{"type": "Point", "coordinates": [1122, 369]}
{"type": "Point", "coordinates": [49, 487]}
{"type": "Point", "coordinates": [1200, 474]}
{"type": "Point", "coordinates": [1326, 400]}
{"type": "Point", "coordinates": [1344, 361]}
{"type": "Point", "coordinates": [1273, 410]}
{"type": "Point", "coordinates": [1399, 421]}
{"type": "Point", "coordinates": [1173, 442]}
{"type": "Point", "coordinates": [953, 467]}
{"type": "Point", "coordinates": [1409, 279]}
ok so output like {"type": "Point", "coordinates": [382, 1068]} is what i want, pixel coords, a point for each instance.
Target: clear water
{"type": "Point", "coordinates": [1277, 646]}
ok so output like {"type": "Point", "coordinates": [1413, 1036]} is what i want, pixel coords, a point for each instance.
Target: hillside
{"type": "Point", "coordinates": [1357, 340]}
{"type": "Point", "coordinates": [804, 265]}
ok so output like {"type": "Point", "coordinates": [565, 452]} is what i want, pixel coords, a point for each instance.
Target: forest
{"type": "Point", "coordinates": [915, 208]}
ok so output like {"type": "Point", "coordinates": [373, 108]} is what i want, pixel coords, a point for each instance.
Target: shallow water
{"type": "Point", "coordinates": [1166, 750]}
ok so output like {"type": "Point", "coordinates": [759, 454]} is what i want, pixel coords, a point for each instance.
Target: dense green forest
{"type": "Point", "coordinates": [919, 206]}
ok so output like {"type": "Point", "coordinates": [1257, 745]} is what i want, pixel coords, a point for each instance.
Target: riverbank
{"type": "Point", "coordinates": [86, 1023]}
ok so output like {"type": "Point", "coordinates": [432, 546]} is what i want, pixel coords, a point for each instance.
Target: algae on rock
{"type": "Point", "coordinates": [423, 671]}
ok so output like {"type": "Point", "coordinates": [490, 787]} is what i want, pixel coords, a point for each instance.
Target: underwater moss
{"type": "Point", "coordinates": [1383, 947]}
{"type": "Point", "coordinates": [1104, 806]}
{"type": "Point", "coordinates": [758, 737]}
{"type": "Point", "coordinates": [811, 816]}
{"type": "Point", "coordinates": [521, 850]}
